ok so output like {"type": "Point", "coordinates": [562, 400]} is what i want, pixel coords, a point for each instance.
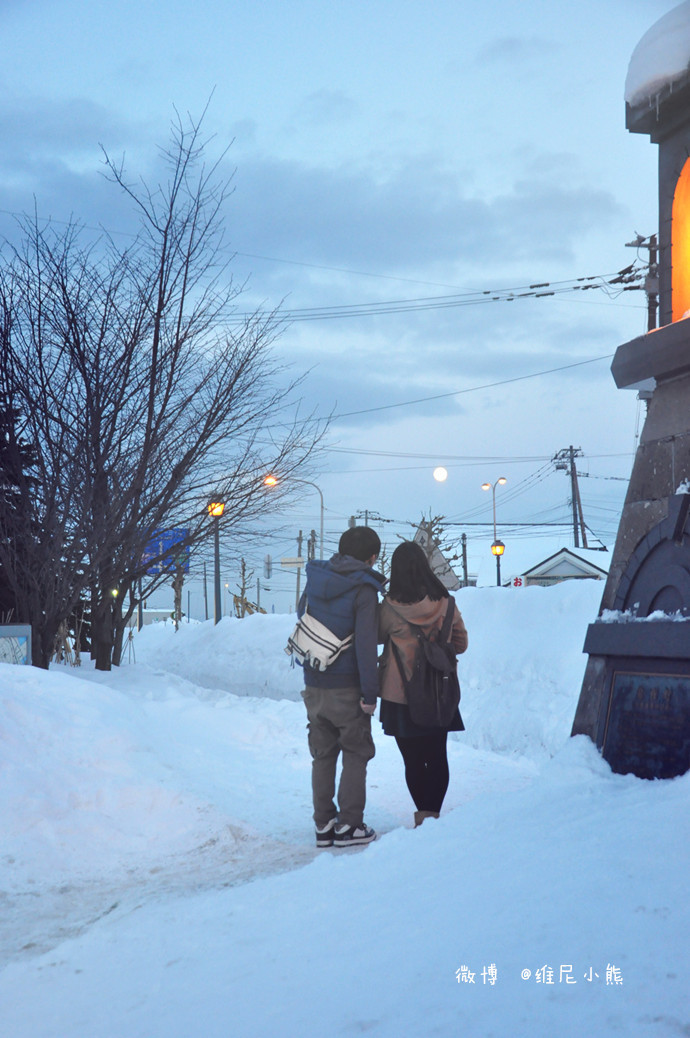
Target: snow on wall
{"type": "Point", "coordinates": [661, 56]}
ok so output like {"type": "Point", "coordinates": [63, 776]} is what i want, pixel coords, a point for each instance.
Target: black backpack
{"type": "Point", "coordinates": [433, 689]}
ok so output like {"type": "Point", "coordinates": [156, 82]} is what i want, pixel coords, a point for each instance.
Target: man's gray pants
{"type": "Point", "coordinates": [337, 724]}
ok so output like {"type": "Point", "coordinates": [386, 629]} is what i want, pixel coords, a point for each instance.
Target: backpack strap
{"type": "Point", "coordinates": [443, 635]}
{"type": "Point", "coordinates": [401, 669]}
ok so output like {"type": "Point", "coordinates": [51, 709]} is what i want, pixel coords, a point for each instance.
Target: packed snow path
{"type": "Point", "coordinates": [200, 795]}
{"type": "Point", "coordinates": [159, 879]}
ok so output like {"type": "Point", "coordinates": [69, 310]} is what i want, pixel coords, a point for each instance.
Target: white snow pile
{"type": "Point", "coordinates": [661, 57]}
{"type": "Point", "coordinates": [628, 616]}
{"type": "Point", "coordinates": [158, 875]}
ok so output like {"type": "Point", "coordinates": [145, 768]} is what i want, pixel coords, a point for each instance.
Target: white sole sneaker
{"type": "Point", "coordinates": [353, 835]}
{"type": "Point", "coordinates": [324, 837]}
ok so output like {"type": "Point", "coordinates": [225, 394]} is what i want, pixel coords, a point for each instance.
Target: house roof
{"type": "Point", "coordinates": [523, 555]}
{"type": "Point", "coordinates": [571, 562]}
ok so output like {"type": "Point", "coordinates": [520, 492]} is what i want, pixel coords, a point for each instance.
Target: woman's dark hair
{"type": "Point", "coordinates": [412, 578]}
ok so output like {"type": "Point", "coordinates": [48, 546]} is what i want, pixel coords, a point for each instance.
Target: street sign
{"type": "Point", "coordinates": [297, 561]}
{"type": "Point", "coordinates": [166, 547]}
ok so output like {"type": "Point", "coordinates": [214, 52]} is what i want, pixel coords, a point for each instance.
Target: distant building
{"type": "Point", "coordinates": [151, 616]}
{"type": "Point", "coordinates": [566, 564]}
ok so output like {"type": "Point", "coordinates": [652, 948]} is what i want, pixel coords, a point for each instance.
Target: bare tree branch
{"type": "Point", "coordinates": [139, 395]}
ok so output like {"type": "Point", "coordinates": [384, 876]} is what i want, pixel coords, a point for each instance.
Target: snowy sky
{"type": "Point", "coordinates": [385, 152]}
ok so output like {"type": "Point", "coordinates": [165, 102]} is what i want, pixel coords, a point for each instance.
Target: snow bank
{"type": "Point", "coordinates": [158, 875]}
{"type": "Point", "coordinates": [245, 657]}
{"type": "Point", "coordinates": [520, 677]}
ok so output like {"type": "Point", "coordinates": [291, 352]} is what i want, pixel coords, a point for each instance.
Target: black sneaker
{"type": "Point", "coordinates": [352, 835]}
{"type": "Point", "coordinates": [324, 836]}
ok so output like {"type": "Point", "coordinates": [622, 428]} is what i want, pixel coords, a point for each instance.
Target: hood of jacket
{"type": "Point", "coordinates": [339, 575]}
{"type": "Point", "coordinates": [425, 613]}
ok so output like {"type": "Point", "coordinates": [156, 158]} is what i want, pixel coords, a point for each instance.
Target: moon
{"type": "Point", "coordinates": [440, 474]}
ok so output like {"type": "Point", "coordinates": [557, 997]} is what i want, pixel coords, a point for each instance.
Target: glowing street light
{"type": "Point", "coordinates": [498, 547]}
{"type": "Point", "coordinates": [215, 510]}
{"type": "Point", "coordinates": [273, 481]}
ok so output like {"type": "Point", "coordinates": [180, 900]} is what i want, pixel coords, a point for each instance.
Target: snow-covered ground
{"type": "Point", "coordinates": [158, 877]}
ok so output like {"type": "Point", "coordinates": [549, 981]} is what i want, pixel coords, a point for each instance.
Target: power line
{"type": "Point", "coordinates": [471, 389]}
{"type": "Point", "coordinates": [628, 279]}
{"type": "Point", "coordinates": [470, 459]}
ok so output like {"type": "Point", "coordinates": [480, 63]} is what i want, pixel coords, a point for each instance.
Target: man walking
{"type": "Point", "coordinates": [342, 593]}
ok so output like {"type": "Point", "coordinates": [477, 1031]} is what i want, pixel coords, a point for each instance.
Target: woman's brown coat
{"type": "Point", "coordinates": [394, 626]}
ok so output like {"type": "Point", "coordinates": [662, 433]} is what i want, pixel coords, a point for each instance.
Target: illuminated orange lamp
{"type": "Point", "coordinates": [216, 509]}
{"type": "Point", "coordinates": [270, 481]}
{"type": "Point", "coordinates": [497, 548]}
{"type": "Point", "coordinates": [680, 245]}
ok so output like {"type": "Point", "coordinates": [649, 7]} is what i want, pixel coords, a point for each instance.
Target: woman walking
{"type": "Point", "coordinates": [416, 598]}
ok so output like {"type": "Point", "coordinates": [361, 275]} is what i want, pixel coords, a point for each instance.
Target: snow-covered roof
{"type": "Point", "coordinates": [523, 556]}
{"type": "Point", "coordinates": [572, 562]}
{"type": "Point", "coordinates": [661, 57]}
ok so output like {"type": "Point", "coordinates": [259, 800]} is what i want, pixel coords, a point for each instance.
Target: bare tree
{"type": "Point", "coordinates": [432, 535]}
{"type": "Point", "coordinates": [241, 602]}
{"type": "Point", "coordinates": [144, 393]}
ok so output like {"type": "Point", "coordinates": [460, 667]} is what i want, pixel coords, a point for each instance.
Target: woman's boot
{"type": "Point", "coordinates": [419, 816]}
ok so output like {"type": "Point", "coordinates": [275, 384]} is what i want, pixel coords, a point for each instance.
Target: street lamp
{"type": "Point", "coordinates": [272, 481]}
{"type": "Point", "coordinates": [498, 547]}
{"type": "Point", "coordinates": [215, 510]}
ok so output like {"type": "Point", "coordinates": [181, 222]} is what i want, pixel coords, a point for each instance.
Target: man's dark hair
{"type": "Point", "coordinates": [361, 542]}
{"type": "Point", "coordinates": [412, 578]}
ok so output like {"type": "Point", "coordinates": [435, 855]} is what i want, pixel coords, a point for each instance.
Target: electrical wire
{"type": "Point", "coordinates": [462, 392]}
{"type": "Point", "coordinates": [628, 279]}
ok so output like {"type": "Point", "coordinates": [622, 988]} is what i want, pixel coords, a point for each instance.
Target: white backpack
{"type": "Point", "coordinates": [311, 642]}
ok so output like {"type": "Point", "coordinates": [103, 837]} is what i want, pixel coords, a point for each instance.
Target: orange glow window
{"type": "Point", "coordinates": [680, 245]}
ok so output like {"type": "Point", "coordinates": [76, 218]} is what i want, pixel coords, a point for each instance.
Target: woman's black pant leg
{"type": "Point", "coordinates": [426, 768]}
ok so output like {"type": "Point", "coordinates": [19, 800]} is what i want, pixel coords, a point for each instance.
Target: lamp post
{"type": "Point", "coordinates": [272, 481]}
{"type": "Point", "coordinates": [215, 510]}
{"type": "Point", "coordinates": [498, 547]}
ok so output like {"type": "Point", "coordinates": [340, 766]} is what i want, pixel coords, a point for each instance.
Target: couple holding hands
{"type": "Point", "coordinates": [342, 594]}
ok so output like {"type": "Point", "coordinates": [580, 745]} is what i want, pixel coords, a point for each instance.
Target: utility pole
{"type": "Point", "coordinates": [651, 282]}
{"type": "Point", "coordinates": [465, 578]}
{"type": "Point", "coordinates": [299, 569]}
{"type": "Point", "coordinates": [651, 285]}
{"type": "Point", "coordinates": [564, 460]}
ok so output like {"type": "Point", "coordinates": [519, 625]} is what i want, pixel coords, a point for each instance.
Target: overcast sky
{"type": "Point", "coordinates": [387, 150]}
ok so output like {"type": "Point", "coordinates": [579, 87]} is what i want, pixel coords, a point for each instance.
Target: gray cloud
{"type": "Point", "coordinates": [53, 160]}
{"type": "Point", "coordinates": [411, 216]}
{"type": "Point", "coordinates": [37, 127]}
{"type": "Point", "coordinates": [325, 107]}
{"type": "Point", "coordinates": [355, 365]}
{"type": "Point", "coordinates": [417, 217]}
{"type": "Point", "coordinates": [516, 49]}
